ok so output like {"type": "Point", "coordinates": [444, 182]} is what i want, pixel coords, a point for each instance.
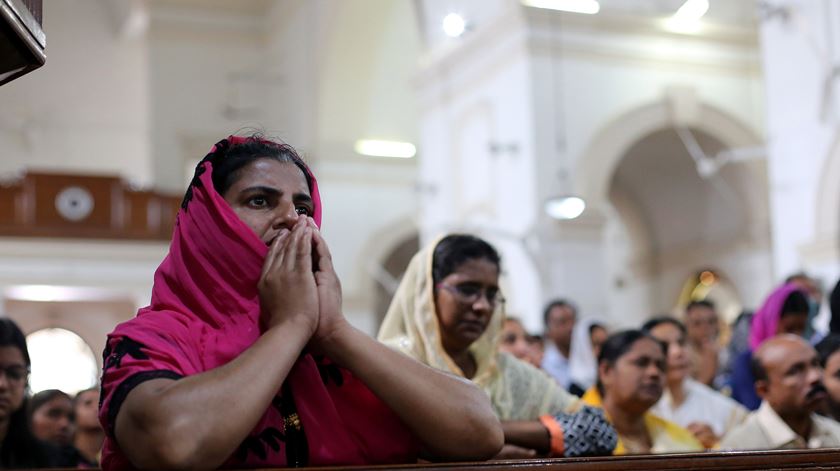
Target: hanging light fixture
{"type": "Point", "coordinates": [565, 207]}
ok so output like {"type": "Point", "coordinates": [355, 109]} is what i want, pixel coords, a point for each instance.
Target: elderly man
{"type": "Point", "coordinates": [789, 380]}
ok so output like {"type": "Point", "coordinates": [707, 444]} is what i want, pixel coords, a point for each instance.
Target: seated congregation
{"type": "Point", "coordinates": [243, 359]}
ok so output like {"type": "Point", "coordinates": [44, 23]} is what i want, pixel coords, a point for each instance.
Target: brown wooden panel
{"type": "Point", "coordinates": [48, 187]}
{"type": "Point", "coordinates": [49, 205]}
{"type": "Point", "coordinates": [10, 211]}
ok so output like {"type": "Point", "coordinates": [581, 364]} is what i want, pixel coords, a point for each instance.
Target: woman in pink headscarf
{"type": "Point", "coordinates": [784, 312]}
{"type": "Point", "coordinates": [244, 359]}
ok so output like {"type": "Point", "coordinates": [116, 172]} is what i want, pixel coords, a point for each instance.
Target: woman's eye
{"type": "Point", "coordinates": [303, 210]}
{"type": "Point", "coordinates": [258, 201]}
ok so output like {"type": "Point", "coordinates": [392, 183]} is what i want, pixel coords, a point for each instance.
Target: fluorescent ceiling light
{"type": "Point", "coordinates": [590, 7]}
{"type": "Point", "coordinates": [395, 149]}
{"type": "Point", "coordinates": [52, 293]}
{"type": "Point", "coordinates": [454, 25]}
{"type": "Point", "coordinates": [687, 18]}
{"type": "Point", "coordinates": [565, 207]}
{"type": "Point", "coordinates": [692, 10]}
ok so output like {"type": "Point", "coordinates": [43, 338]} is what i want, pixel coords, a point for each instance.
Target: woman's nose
{"type": "Point", "coordinates": [285, 215]}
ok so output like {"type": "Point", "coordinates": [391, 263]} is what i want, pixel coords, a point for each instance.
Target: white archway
{"type": "Point", "coordinates": [595, 167]}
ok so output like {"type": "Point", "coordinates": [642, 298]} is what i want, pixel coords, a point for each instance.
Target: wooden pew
{"type": "Point", "coordinates": [772, 460]}
{"type": "Point", "coordinates": [739, 460]}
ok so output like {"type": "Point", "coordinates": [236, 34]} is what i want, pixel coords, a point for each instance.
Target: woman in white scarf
{"type": "Point", "coordinates": [448, 312]}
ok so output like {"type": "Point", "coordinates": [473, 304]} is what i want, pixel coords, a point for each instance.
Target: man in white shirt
{"type": "Point", "coordinates": [559, 318]}
{"type": "Point", "coordinates": [789, 380]}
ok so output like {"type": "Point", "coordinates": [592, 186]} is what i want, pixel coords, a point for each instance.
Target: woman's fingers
{"type": "Point", "coordinates": [322, 251]}
{"type": "Point", "coordinates": [275, 251]}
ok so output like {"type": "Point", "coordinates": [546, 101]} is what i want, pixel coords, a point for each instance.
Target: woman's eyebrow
{"type": "Point", "coordinates": [262, 189]}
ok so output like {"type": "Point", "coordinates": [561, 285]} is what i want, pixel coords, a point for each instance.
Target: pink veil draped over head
{"type": "Point", "coordinates": [205, 311]}
{"type": "Point", "coordinates": [765, 323]}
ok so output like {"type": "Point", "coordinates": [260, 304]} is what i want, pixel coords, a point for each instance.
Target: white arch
{"type": "Point", "coordinates": [595, 167]}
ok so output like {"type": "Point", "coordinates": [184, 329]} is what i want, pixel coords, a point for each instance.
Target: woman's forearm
{"type": "Point", "coordinates": [198, 421]}
{"type": "Point", "coordinates": [451, 416]}
{"type": "Point", "coordinates": [527, 434]}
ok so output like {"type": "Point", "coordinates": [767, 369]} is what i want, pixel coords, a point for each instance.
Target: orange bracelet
{"type": "Point", "coordinates": [556, 434]}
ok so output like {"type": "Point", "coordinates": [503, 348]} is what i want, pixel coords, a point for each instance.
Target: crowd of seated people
{"type": "Point", "coordinates": [49, 428]}
{"type": "Point", "coordinates": [246, 312]}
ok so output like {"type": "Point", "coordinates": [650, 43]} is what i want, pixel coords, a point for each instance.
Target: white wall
{"type": "Point", "coordinates": [802, 139]}
{"type": "Point", "coordinates": [86, 109]}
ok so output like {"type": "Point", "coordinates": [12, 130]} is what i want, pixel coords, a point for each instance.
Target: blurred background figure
{"type": "Point", "coordinates": [515, 340]}
{"type": "Point", "coordinates": [789, 380]}
{"type": "Point", "coordinates": [702, 326]}
{"type": "Point", "coordinates": [829, 352]}
{"type": "Point", "coordinates": [89, 434]}
{"type": "Point", "coordinates": [705, 412]}
{"type": "Point", "coordinates": [536, 348]}
{"type": "Point", "coordinates": [18, 446]}
{"type": "Point", "coordinates": [784, 312]}
{"type": "Point", "coordinates": [559, 319]}
{"type": "Point", "coordinates": [51, 416]}
{"type": "Point", "coordinates": [587, 337]}
{"type": "Point", "coordinates": [631, 379]}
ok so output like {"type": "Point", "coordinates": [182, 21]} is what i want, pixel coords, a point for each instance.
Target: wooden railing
{"type": "Point", "coordinates": [740, 461]}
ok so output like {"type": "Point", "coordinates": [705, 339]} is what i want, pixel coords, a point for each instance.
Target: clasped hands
{"type": "Point", "coordinates": [299, 287]}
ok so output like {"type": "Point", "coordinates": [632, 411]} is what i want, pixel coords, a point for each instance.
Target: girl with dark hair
{"type": "Point", "coordinates": [244, 358]}
{"type": "Point", "coordinates": [18, 446]}
{"type": "Point", "coordinates": [448, 313]}
{"type": "Point", "coordinates": [631, 378]}
{"type": "Point", "coordinates": [785, 311]}
{"type": "Point", "coordinates": [51, 417]}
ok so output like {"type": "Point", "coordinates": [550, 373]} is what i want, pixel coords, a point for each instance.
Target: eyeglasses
{"type": "Point", "coordinates": [15, 373]}
{"type": "Point", "coordinates": [469, 293]}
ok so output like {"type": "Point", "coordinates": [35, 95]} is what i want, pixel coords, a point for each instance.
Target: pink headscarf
{"type": "Point", "coordinates": [765, 322]}
{"type": "Point", "coordinates": [205, 311]}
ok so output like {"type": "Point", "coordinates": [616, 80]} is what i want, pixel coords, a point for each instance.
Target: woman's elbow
{"type": "Point", "coordinates": [165, 446]}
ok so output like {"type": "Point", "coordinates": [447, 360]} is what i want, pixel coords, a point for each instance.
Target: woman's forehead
{"type": "Point", "coordinates": [273, 173]}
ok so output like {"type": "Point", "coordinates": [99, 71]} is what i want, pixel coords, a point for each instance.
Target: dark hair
{"type": "Point", "coordinates": [79, 394]}
{"type": "Point", "coordinates": [229, 159]}
{"type": "Point", "coordinates": [20, 449]}
{"type": "Point", "coordinates": [827, 346]}
{"type": "Point", "coordinates": [648, 326]}
{"type": "Point", "coordinates": [700, 303]}
{"type": "Point", "coordinates": [455, 249]}
{"type": "Point", "coordinates": [594, 326]}
{"type": "Point", "coordinates": [43, 397]}
{"type": "Point", "coordinates": [757, 369]}
{"type": "Point", "coordinates": [617, 345]}
{"type": "Point", "coordinates": [834, 305]}
{"type": "Point", "coordinates": [555, 304]}
{"type": "Point", "coordinates": [796, 303]}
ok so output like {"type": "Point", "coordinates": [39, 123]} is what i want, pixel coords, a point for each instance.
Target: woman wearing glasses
{"type": "Point", "coordinates": [18, 447]}
{"type": "Point", "coordinates": [448, 313]}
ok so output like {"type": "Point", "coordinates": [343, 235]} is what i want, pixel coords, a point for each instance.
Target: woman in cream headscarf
{"type": "Point", "coordinates": [448, 313]}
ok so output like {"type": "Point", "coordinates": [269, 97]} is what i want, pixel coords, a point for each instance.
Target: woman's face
{"type": "Point", "coordinates": [52, 422]}
{"type": "Point", "coordinates": [269, 196]}
{"type": "Point", "coordinates": [636, 380]}
{"type": "Point", "coordinates": [464, 301]}
{"type": "Point", "coordinates": [792, 323]}
{"type": "Point", "coordinates": [87, 407]}
{"type": "Point", "coordinates": [597, 335]}
{"type": "Point", "coordinates": [13, 377]}
{"type": "Point", "coordinates": [677, 359]}
{"type": "Point", "coordinates": [515, 340]}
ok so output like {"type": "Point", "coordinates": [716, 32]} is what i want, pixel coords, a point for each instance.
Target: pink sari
{"type": "Point", "coordinates": [204, 312]}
